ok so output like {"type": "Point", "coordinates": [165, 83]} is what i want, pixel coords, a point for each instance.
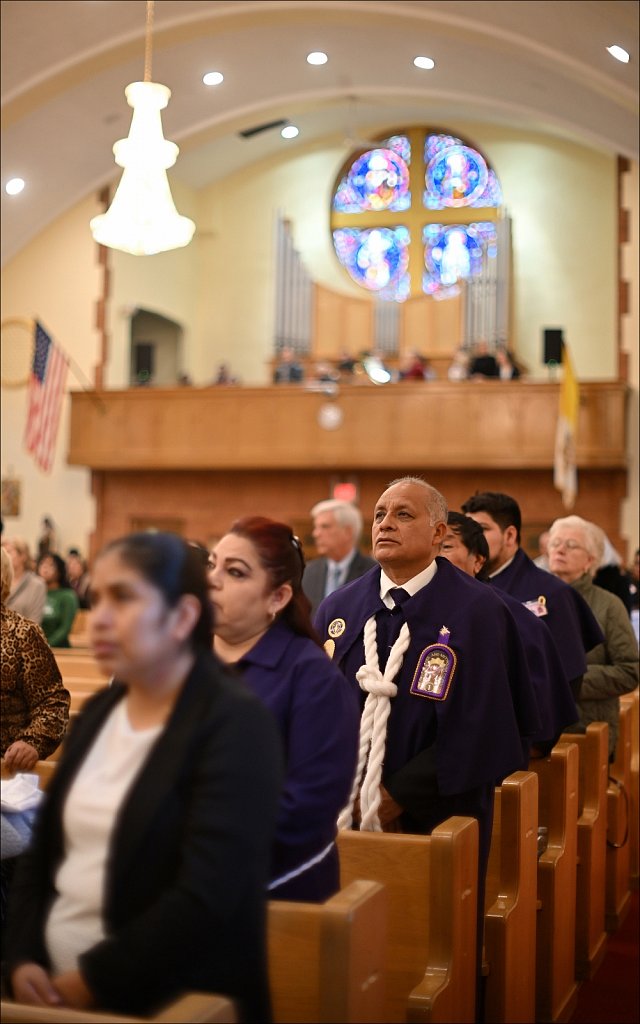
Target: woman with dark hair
{"type": "Point", "coordinates": [147, 872]}
{"type": "Point", "coordinates": [61, 603]}
{"type": "Point", "coordinates": [263, 627]}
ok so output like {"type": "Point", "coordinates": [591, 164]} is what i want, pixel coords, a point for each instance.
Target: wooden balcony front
{"type": "Point", "coordinates": [194, 459]}
{"type": "Point", "coordinates": [452, 425]}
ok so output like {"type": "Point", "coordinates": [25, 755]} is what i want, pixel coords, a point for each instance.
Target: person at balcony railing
{"type": "Point", "coordinates": [288, 370]}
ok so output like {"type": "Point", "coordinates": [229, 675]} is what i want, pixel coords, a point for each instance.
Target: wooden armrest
{"type": "Point", "coordinates": [195, 1008]}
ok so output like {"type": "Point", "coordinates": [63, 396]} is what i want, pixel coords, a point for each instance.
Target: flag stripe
{"type": "Point", "coordinates": [565, 467]}
{"type": "Point", "coordinates": [46, 393]}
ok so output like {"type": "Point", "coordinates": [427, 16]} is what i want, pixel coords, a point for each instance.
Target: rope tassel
{"type": "Point", "coordinates": [379, 688]}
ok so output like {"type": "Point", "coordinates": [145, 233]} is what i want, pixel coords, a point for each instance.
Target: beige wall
{"type": "Point", "coordinates": [56, 279]}
{"type": "Point", "coordinates": [220, 289]}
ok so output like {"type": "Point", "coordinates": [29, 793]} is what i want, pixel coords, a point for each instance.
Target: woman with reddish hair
{"type": "Point", "coordinates": [262, 626]}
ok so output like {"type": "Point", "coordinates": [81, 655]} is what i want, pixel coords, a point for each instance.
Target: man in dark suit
{"type": "Point", "coordinates": [337, 526]}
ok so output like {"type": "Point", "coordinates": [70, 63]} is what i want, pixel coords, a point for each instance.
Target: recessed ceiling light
{"type": "Point", "coordinates": [290, 131]}
{"type": "Point", "coordinates": [14, 186]}
{"type": "Point", "coordinates": [619, 53]}
{"type": "Point", "coordinates": [317, 57]}
{"type": "Point", "coordinates": [213, 78]}
{"type": "Point", "coordinates": [424, 62]}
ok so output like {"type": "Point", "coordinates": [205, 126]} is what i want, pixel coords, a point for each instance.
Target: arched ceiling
{"type": "Point", "coordinates": [535, 65]}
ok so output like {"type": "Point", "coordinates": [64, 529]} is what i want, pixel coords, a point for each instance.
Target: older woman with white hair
{"type": "Point", "coordinates": [575, 552]}
{"type": "Point", "coordinates": [28, 590]}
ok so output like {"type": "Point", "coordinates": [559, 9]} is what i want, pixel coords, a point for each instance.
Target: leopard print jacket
{"type": "Point", "coordinates": [35, 705]}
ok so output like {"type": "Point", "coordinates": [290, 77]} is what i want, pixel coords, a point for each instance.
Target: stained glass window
{"type": "Point", "coordinates": [376, 258]}
{"type": "Point", "coordinates": [418, 173]}
{"type": "Point", "coordinates": [454, 252]}
{"type": "Point", "coordinates": [377, 180]}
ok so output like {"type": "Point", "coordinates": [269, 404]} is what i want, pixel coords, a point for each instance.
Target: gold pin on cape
{"type": "Point", "coordinates": [330, 646]}
{"type": "Point", "coordinates": [336, 627]}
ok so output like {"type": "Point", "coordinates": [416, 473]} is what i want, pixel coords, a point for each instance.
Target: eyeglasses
{"type": "Point", "coordinates": [570, 545]}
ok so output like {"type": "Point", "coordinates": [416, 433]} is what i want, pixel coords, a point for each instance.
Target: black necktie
{"type": "Point", "coordinates": [388, 625]}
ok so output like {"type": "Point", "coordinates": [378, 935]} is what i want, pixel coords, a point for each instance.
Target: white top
{"type": "Point", "coordinates": [75, 921]}
{"type": "Point", "coordinates": [412, 586]}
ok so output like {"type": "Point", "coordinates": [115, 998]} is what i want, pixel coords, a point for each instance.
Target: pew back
{"type": "Point", "coordinates": [556, 990]}
{"type": "Point", "coordinates": [632, 701]}
{"type": "Point", "coordinates": [326, 960]}
{"type": "Point", "coordinates": [510, 903]}
{"type": "Point", "coordinates": [591, 937]}
{"type": "Point", "coordinates": [430, 969]}
{"type": "Point", "coordinates": [618, 895]}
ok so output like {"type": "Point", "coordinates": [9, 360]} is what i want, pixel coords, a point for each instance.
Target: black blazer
{"type": "Point", "coordinates": [184, 901]}
{"type": "Point", "coordinates": [315, 576]}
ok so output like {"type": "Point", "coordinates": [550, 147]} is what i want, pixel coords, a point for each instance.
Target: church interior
{"type": "Point", "coordinates": [147, 437]}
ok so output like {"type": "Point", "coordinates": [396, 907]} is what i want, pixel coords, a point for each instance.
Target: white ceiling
{"type": "Point", "coordinates": [66, 63]}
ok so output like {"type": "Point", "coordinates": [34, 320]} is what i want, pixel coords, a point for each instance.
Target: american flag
{"type": "Point", "coordinates": [45, 395]}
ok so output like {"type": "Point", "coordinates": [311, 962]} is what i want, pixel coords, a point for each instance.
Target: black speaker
{"type": "Point", "coordinates": [553, 343]}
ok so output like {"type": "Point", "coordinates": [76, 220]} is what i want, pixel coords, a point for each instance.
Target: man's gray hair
{"type": "Point", "coordinates": [345, 513]}
{"type": "Point", "coordinates": [436, 502]}
{"type": "Point", "coordinates": [592, 535]}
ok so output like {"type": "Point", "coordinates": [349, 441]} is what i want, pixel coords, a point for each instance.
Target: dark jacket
{"type": "Point", "coordinates": [184, 902]}
{"type": "Point", "coordinates": [314, 580]}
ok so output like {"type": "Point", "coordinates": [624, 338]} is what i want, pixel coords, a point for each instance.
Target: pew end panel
{"type": "Point", "coordinates": [326, 961]}
{"type": "Point", "coordinates": [632, 700]}
{"type": "Point", "coordinates": [618, 894]}
{"type": "Point", "coordinates": [556, 989]}
{"type": "Point", "coordinates": [591, 937]}
{"type": "Point", "coordinates": [430, 970]}
{"type": "Point", "coordinates": [193, 1007]}
{"type": "Point", "coordinates": [510, 903]}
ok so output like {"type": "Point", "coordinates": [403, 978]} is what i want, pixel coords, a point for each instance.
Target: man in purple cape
{"type": "Point", "coordinates": [565, 613]}
{"type": "Point", "coordinates": [458, 722]}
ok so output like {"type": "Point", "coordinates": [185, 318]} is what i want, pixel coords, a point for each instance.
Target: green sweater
{"type": "Point", "coordinates": [612, 667]}
{"type": "Point", "coordinates": [60, 610]}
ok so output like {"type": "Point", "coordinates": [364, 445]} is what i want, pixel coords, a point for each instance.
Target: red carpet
{"type": "Point", "coordinates": [614, 993]}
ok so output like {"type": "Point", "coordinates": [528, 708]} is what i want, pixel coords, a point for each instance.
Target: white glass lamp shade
{"type": "Point", "coordinates": [142, 218]}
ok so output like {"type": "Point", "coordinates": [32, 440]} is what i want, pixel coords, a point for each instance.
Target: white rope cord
{"type": "Point", "coordinates": [373, 726]}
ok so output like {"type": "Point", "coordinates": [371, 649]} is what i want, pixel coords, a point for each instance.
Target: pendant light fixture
{"type": "Point", "coordinates": [142, 218]}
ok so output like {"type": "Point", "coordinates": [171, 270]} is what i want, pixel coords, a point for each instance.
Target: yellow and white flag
{"type": "Point", "coordinates": [565, 468]}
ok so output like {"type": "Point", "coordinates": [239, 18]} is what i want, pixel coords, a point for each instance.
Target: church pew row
{"type": "Point", "coordinates": [195, 1008]}
{"type": "Point", "coordinates": [632, 700]}
{"type": "Point", "coordinates": [510, 903]}
{"type": "Point", "coordinates": [556, 989]}
{"type": "Point", "coordinates": [431, 881]}
{"type": "Point", "coordinates": [618, 895]}
{"type": "Point", "coordinates": [327, 961]}
{"type": "Point", "coordinates": [74, 664]}
{"type": "Point", "coordinates": [591, 937]}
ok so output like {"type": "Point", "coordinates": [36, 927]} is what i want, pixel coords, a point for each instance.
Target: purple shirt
{"type": "Point", "coordinates": [318, 718]}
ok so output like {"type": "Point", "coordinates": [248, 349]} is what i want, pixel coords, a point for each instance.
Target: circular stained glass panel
{"type": "Point", "coordinates": [457, 175]}
{"type": "Point", "coordinates": [380, 179]}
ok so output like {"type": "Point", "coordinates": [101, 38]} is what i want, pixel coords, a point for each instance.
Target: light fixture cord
{"type": "Point", "coordinates": [147, 41]}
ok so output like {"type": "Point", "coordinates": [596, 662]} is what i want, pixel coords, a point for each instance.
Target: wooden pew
{"type": "Point", "coordinates": [77, 666]}
{"type": "Point", "coordinates": [196, 1008]}
{"type": "Point", "coordinates": [78, 637]}
{"type": "Point", "coordinates": [556, 989]}
{"type": "Point", "coordinates": [430, 967]}
{"type": "Point", "coordinates": [632, 700]}
{"type": "Point", "coordinates": [43, 769]}
{"type": "Point", "coordinates": [618, 893]}
{"type": "Point", "coordinates": [326, 960]}
{"type": "Point", "coordinates": [510, 903]}
{"type": "Point", "coordinates": [591, 937]}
